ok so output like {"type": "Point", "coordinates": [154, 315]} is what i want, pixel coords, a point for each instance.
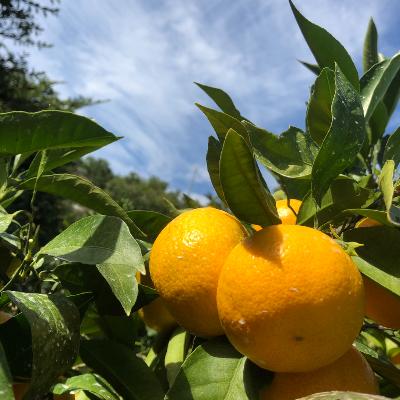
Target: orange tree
{"type": "Point", "coordinates": [69, 309]}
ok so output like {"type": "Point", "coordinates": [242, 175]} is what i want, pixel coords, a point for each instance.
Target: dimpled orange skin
{"type": "Point", "coordinates": [381, 305]}
{"type": "Point", "coordinates": [286, 215]}
{"type": "Point", "coordinates": [351, 372]}
{"type": "Point", "coordinates": [185, 263]}
{"type": "Point", "coordinates": [290, 299]}
{"type": "Point", "coordinates": [155, 315]}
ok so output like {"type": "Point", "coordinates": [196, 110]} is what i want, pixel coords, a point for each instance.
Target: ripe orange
{"type": "Point", "coordinates": [286, 214]}
{"type": "Point", "coordinates": [366, 223]}
{"type": "Point", "coordinates": [4, 317]}
{"type": "Point", "coordinates": [155, 315]}
{"type": "Point", "coordinates": [381, 305]}
{"type": "Point", "coordinates": [185, 263]}
{"type": "Point", "coordinates": [290, 299]}
{"type": "Point", "coordinates": [351, 372]}
{"type": "Point", "coordinates": [20, 389]}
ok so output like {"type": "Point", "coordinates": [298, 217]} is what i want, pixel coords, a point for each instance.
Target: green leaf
{"type": "Point", "coordinates": [343, 396]}
{"type": "Point", "coordinates": [54, 322]}
{"type": "Point", "coordinates": [213, 157]}
{"type": "Point", "coordinates": [344, 139]}
{"type": "Point", "coordinates": [290, 154]}
{"type": "Point", "coordinates": [215, 370]}
{"type": "Point", "coordinates": [149, 222]}
{"type": "Point", "coordinates": [83, 192]}
{"type": "Point", "coordinates": [392, 148]}
{"type": "Point", "coordinates": [344, 193]}
{"type": "Point", "coordinates": [91, 383]}
{"type": "Point", "coordinates": [377, 123]}
{"type": "Point", "coordinates": [126, 372]}
{"type": "Point", "coordinates": [387, 189]}
{"type": "Point", "coordinates": [107, 243]}
{"type": "Point", "coordinates": [379, 255]}
{"type": "Point", "coordinates": [5, 219]}
{"type": "Point", "coordinates": [392, 94]}
{"type": "Point", "coordinates": [375, 83]}
{"type": "Point", "coordinates": [386, 182]}
{"type": "Point", "coordinates": [6, 390]}
{"type": "Point", "coordinates": [319, 114]}
{"type": "Point", "coordinates": [23, 132]}
{"type": "Point", "coordinates": [176, 352]}
{"type": "Point", "coordinates": [376, 215]}
{"type": "Point", "coordinates": [311, 67]}
{"type": "Point", "coordinates": [370, 53]}
{"type": "Point", "coordinates": [222, 100]}
{"type": "Point", "coordinates": [325, 48]}
{"type": "Point", "coordinates": [58, 157]}
{"type": "Point", "coordinates": [222, 122]}
{"type": "Point", "coordinates": [241, 182]}
{"type": "Point", "coordinates": [383, 367]}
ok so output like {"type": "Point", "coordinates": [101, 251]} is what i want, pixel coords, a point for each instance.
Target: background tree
{"type": "Point", "coordinates": [24, 89]}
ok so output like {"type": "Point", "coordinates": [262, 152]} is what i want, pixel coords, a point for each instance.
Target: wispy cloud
{"type": "Point", "coordinates": [144, 55]}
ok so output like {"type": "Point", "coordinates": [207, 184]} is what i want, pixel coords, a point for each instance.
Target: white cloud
{"type": "Point", "coordinates": [144, 55]}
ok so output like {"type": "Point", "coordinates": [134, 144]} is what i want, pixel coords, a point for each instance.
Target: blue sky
{"type": "Point", "coordinates": [143, 56]}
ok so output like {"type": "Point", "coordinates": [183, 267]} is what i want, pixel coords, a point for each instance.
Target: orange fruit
{"type": "Point", "coordinates": [290, 299]}
{"type": "Point", "coordinates": [351, 372]}
{"type": "Point", "coordinates": [286, 214]}
{"type": "Point", "coordinates": [20, 389]}
{"type": "Point", "coordinates": [155, 315]}
{"type": "Point", "coordinates": [4, 317]}
{"type": "Point", "coordinates": [367, 222]}
{"type": "Point", "coordinates": [185, 263]}
{"type": "Point", "coordinates": [381, 304]}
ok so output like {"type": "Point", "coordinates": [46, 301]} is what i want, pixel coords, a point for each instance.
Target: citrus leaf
{"type": "Point", "coordinates": [6, 391]}
{"type": "Point", "coordinates": [221, 99]}
{"type": "Point", "coordinates": [126, 372]}
{"type": "Point", "coordinates": [107, 243]}
{"type": "Point", "coordinates": [83, 192]}
{"type": "Point", "coordinates": [290, 154]}
{"type": "Point", "coordinates": [370, 53]}
{"type": "Point", "coordinates": [213, 157]}
{"type": "Point", "coordinates": [392, 94]}
{"type": "Point", "coordinates": [343, 396]}
{"type": "Point", "coordinates": [215, 370]}
{"type": "Point", "coordinates": [58, 157]}
{"type": "Point", "coordinates": [387, 189]}
{"type": "Point", "coordinates": [325, 48]}
{"type": "Point", "coordinates": [5, 219]}
{"type": "Point", "coordinates": [23, 132]}
{"type": "Point", "coordinates": [344, 193]}
{"type": "Point", "coordinates": [222, 122]}
{"type": "Point", "coordinates": [91, 383]}
{"type": "Point", "coordinates": [376, 215]}
{"type": "Point", "coordinates": [344, 139]}
{"type": "Point", "coordinates": [384, 369]}
{"type": "Point", "coordinates": [319, 114]}
{"type": "Point", "coordinates": [378, 122]}
{"type": "Point", "coordinates": [241, 182]}
{"type": "Point", "coordinates": [54, 323]}
{"type": "Point", "coordinates": [392, 148]}
{"type": "Point", "coordinates": [375, 83]}
{"type": "Point", "coordinates": [379, 255]}
{"type": "Point", "coordinates": [175, 354]}
{"type": "Point", "coordinates": [380, 365]}
{"type": "Point", "coordinates": [311, 67]}
{"type": "Point", "coordinates": [149, 222]}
